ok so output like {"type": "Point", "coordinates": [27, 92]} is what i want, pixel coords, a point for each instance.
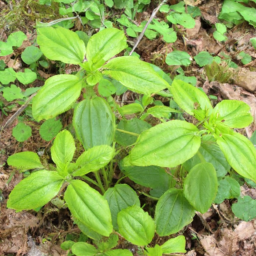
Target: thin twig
{"type": "Point", "coordinates": [18, 112]}
{"type": "Point", "coordinates": [146, 26]}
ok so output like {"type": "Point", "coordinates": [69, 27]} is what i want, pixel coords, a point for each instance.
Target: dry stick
{"type": "Point", "coordinates": [146, 26]}
{"type": "Point", "coordinates": [18, 112]}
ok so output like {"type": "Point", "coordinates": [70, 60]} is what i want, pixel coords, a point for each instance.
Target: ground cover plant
{"type": "Point", "coordinates": [130, 178]}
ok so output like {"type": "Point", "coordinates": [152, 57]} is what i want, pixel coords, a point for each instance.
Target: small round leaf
{"type": "Point", "coordinates": [21, 132]}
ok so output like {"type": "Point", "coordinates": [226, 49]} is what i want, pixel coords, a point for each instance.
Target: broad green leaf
{"type": "Point", "coordinates": [130, 109]}
{"type": "Point", "coordinates": [244, 57]}
{"type": "Point", "coordinates": [26, 77]}
{"type": "Point", "coordinates": [106, 244]}
{"type": "Point", "coordinates": [106, 88]}
{"type": "Point", "coordinates": [221, 28]}
{"type": "Point", "coordinates": [245, 208]}
{"type": "Point", "coordinates": [169, 35]}
{"type": "Point", "coordinates": [136, 226]}
{"type": "Point", "coordinates": [62, 151]}
{"type": "Point", "coordinates": [191, 99]}
{"type": "Point", "coordinates": [218, 36]}
{"type": "Point", "coordinates": [120, 89]}
{"type": "Point", "coordinates": [188, 79]}
{"type": "Point", "coordinates": [93, 159]}
{"type": "Point", "coordinates": [155, 251]}
{"type": "Point", "coordinates": [5, 49]}
{"type": "Point", "coordinates": [228, 188]}
{"type": "Point", "coordinates": [57, 96]}
{"type": "Point", "coordinates": [211, 152]}
{"type": "Point", "coordinates": [229, 11]}
{"type": "Point", "coordinates": [67, 245]}
{"type": "Point", "coordinates": [21, 132]}
{"type": "Point", "coordinates": [161, 112]}
{"type": "Point", "coordinates": [93, 78]}
{"type": "Point", "coordinates": [142, 80]}
{"type": "Point", "coordinates": [173, 212]}
{"type": "Point", "coordinates": [253, 138]}
{"type": "Point", "coordinates": [89, 207]}
{"type": "Point", "coordinates": [134, 125]}
{"type": "Point", "coordinates": [84, 249]}
{"type": "Point", "coordinates": [35, 191]}
{"type": "Point", "coordinates": [82, 35]}
{"type": "Point", "coordinates": [25, 161]}
{"type": "Point", "coordinates": [201, 186]}
{"type": "Point", "coordinates": [87, 231]}
{"type": "Point", "coordinates": [165, 8]}
{"type": "Point", "coordinates": [94, 122]}
{"type": "Point", "coordinates": [7, 76]}
{"type": "Point", "coordinates": [179, 7]}
{"type": "Point", "coordinates": [253, 42]}
{"type": "Point", "coordinates": [203, 58]}
{"type": "Point", "coordinates": [147, 176]}
{"type": "Point", "coordinates": [30, 91]}
{"type": "Point", "coordinates": [183, 19]}
{"type": "Point", "coordinates": [120, 197]}
{"type": "Point", "coordinates": [240, 154]}
{"type": "Point", "coordinates": [233, 113]}
{"type": "Point", "coordinates": [12, 93]}
{"type": "Point", "coordinates": [160, 72]}
{"type": "Point", "coordinates": [2, 65]}
{"type": "Point", "coordinates": [117, 252]}
{"type": "Point", "coordinates": [104, 45]}
{"type": "Point", "coordinates": [178, 58]}
{"type": "Point", "coordinates": [16, 39]}
{"type": "Point", "coordinates": [31, 54]}
{"type": "Point", "coordinates": [166, 145]}
{"type": "Point", "coordinates": [174, 245]}
{"type": "Point", "coordinates": [50, 128]}
{"type": "Point", "coordinates": [61, 44]}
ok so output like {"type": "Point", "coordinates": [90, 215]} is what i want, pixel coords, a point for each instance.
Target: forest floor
{"type": "Point", "coordinates": [215, 233]}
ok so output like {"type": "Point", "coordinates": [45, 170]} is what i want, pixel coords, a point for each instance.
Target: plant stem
{"type": "Point", "coordinates": [111, 172]}
{"type": "Point", "coordinates": [90, 180]}
{"type": "Point", "coordinates": [201, 157]}
{"type": "Point", "coordinates": [147, 195]}
{"type": "Point", "coordinates": [105, 177]}
{"type": "Point", "coordinates": [131, 133]}
{"type": "Point", "coordinates": [121, 179]}
{"type": "Point", "coordinates": [97, 176]}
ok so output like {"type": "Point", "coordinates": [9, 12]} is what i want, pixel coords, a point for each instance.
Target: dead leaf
{"type": "Point", "coordinates": [15, 64]}
{"type": "Point", "coordinates": [210, 245]}
{"type": "Point", "coordinates": [244, 230]}
{"type": "Point", "coordinates": [193, 32]}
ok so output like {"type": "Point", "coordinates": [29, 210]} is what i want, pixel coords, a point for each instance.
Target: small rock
{"type": "Point", "coordinates": [246, 79]}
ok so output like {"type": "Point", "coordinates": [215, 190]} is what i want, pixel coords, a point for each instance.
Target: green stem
{"type": "Point", "coordinates": [131, 133]}
{"type": "Point", "coordinates": [121, 179]}
{"type": "Point", "coordinates": [90, 180]}
{"type": "Point", "coordinates": [201, 157]}
{"type": "Point", "coordinates": [111, 171]}
{"type": "Point", "coordinates": [97, 176]}
{"type": "Point", "coordinates": [105, 177]}
{"type": "Point", "coordinates": [147, 195]}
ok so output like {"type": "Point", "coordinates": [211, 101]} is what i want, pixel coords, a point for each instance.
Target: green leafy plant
{"type": "Point", "coordinates": [235, 13]}
{"type": "Point", "coordinates": [176, 14]}
{"type": "Point", "coordinates": [183, 164]}
{"type": "Point", "coordinates": [244, 57]}
{"type": "Point", "coordinates": [219, 34]}
{"type": "Point", "coordinates": [14, 40]}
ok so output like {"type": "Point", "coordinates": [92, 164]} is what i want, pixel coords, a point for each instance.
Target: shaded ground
{"type": "Point", "coordinates": [215, 233]}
